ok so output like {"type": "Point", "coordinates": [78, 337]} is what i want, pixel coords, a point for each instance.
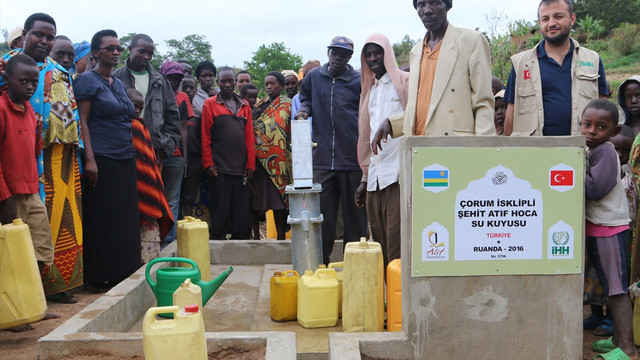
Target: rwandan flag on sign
{"type": "Point", "coordinates": [435, 178]}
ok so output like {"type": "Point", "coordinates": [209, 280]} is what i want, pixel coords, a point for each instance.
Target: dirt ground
{"type": "Point", "coordinates": [24, 346]}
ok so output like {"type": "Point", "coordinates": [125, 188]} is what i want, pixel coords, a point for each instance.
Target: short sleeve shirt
{"type": "Point", "coordinates": [110, 115]}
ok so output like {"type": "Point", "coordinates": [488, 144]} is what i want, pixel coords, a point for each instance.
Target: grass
{"type": "Point", "coordinates": [617, 68]}
{"type": "Point", "coordinates": [625, 62]}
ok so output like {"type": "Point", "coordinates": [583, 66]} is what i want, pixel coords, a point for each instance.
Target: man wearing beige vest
{"type": "Point", "coordinates": [449, 84]}
{"type": "Point", "coordinates": [550, 85]}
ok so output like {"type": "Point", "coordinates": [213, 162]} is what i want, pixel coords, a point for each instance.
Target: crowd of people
{"type": "Point", "coordinates": [101, 161]}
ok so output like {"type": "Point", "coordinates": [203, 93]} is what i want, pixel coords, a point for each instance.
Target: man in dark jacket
{"type": "Point", "coordinates": [331, 94]}
{"type": "Point", "coordinates": [160, 114]}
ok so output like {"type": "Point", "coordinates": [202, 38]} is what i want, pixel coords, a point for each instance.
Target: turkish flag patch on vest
{"type": "Point", "coordinates": [527, 74]}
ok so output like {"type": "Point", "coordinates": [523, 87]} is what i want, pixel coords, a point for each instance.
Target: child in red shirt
{"type": "Point", "coordinates": [18, 147]}
{"type": "Point", "coordinates": [19, 197]}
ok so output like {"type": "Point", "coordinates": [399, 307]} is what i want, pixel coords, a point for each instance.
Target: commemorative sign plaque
{"type": "Point", "coordinates": [497, 211]}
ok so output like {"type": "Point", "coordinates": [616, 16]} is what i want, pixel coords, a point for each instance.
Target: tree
{"type": "Point", "coordinates": [4, 48]}
{"type": "Point", "coordinates": [521, 35]}
{"type": "Point", "coordinates": [502, 48]}
{"type": "Point", "coordinates": [194, 48]}
{"type": "Point", "coordinates": [402, 49]}
{"type": "Point", "coordinates": [494, 20]}
{"type": "Point", "coordinates": [611, 12]}
{"type": "Point", "coordinates": [275, 57]}
{"type": "Point", "coordinates": [589, 28]}
{"type": "Point", "coordinates": [125, 41]}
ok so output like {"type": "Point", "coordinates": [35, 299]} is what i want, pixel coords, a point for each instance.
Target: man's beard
{"type": "Point", "coordinates": [558, 39]}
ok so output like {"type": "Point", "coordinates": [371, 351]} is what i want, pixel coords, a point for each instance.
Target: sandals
{"type": "Point", "coordinates": [605, 328]}
{"type": "Point", "coordinates": [62, 298]}
{"type": "Point", "coordinates": [615, 354]}
{"type": "Point", "coordinates": [591, 322]}
{"type": "Point", "coordinates": [603, 346]}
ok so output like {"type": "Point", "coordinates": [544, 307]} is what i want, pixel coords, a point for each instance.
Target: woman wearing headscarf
{"type": "Point", "coordinates": [83, 59]}
{"type": "Point", "coordinates": [110, 196]}
{"type": "Point", "coordinates": [15, 39]}
{"type": "Point", "coordinates": [272, 129]}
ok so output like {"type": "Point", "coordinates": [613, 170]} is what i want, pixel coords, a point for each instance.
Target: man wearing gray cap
{"type": "Point", "coordinates": [331, 94]}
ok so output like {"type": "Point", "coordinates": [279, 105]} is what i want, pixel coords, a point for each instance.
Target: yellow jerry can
{"type": "Point", "coordinates": [180, 338]}
{"type": "Point", "coordinates": [318, 299]}
{"type": "Point", "coordinates": [272, 232]}
{"type": "Point", "coordinates": [394, 296]}
{"type": "Point", "coordinates": [187, 294]}
{"type": "Point", "coordinates": [193, 243]}
{"type": "Point", "coordinates": [22, 298]}
{"type": "Point", "coordinates": [363, 287]}
{"type": "Point", "coordinates": [338, 267]}
{"type": "Point", "coordinates": [284, 295]}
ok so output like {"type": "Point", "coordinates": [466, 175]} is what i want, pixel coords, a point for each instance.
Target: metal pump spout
{"type": "Point", "coordinates": [305, 217]}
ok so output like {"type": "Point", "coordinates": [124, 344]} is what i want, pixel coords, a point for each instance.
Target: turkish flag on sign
{"type": "Point", "coordinates": [561, 178]}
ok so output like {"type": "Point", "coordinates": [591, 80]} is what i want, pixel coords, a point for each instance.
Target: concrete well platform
{"type": "Point", "coordinates": [237, 316]}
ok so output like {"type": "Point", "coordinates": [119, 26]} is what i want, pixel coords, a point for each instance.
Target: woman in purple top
{"type": "Point", "coordinates": [110, 196]}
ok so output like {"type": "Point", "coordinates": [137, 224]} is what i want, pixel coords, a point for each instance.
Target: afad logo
{"type": "Point", "coordinates": [562, 178]}
{"type": "Point", "coordinates": [435, 243]}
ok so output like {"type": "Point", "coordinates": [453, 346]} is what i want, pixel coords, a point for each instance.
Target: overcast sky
{"type": "Point", "coordinates": [237, 28]}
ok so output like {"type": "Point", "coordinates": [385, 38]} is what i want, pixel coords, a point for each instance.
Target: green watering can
{"type": "Point", "coordinates": [169, 280]}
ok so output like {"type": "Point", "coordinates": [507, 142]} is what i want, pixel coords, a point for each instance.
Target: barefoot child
{"type": "Point", "coordinates": [19, 186]}
{"type": "Point", "coordinates": [593, 292]}
{"type": "Point", "coordinates": [607, 224]}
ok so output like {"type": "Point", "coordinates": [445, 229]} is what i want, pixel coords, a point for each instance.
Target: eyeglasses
{"type": "Point", "coordinates": [111, 48]}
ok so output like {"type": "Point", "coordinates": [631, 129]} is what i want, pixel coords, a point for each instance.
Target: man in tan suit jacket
{"type": "Point", "coordinates": [458, 64]}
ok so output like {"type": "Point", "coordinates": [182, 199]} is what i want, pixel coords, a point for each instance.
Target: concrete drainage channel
{"type": "Point", "coordinates": [105, 328]}
{"type": "Point", "coordinates": [236, 318]}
